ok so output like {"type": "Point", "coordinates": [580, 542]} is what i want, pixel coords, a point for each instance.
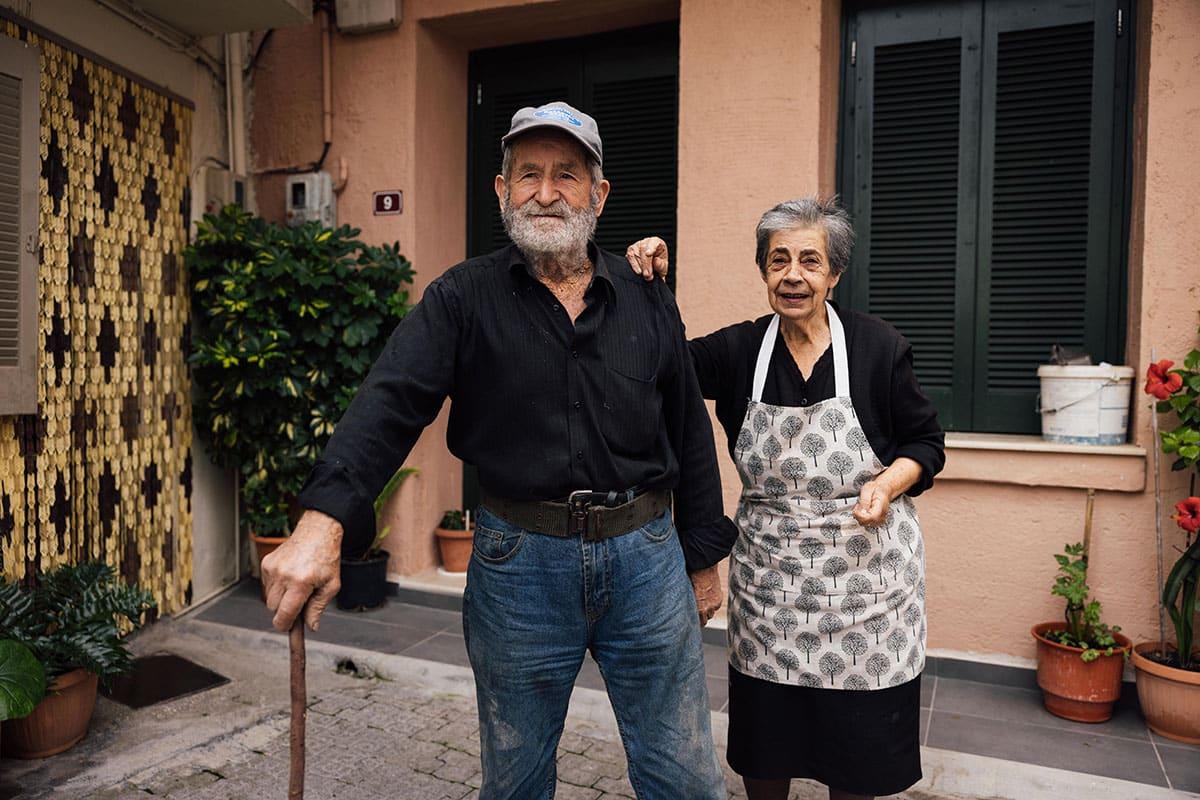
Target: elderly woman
{"type": "Point", "coordinates": [832, 436]}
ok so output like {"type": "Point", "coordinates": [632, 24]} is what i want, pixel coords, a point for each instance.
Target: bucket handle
{"type": "Point", "coordinates": [1038, 409]}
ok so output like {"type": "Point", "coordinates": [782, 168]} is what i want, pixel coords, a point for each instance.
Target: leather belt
{"type": "Point", "coordinates": [590, 515]}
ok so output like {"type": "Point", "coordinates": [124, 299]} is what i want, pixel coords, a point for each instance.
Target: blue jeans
{"type": "Point", "coordinates": [535, 603]}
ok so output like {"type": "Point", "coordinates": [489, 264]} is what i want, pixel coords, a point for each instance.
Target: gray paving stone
{"type": "Point", "coordinates": [585, 770]}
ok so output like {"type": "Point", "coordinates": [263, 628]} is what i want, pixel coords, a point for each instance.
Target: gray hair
{"type": "Point", "coordinates": [808, 212]}
{"type": "Point", "coordinates": [506, 165]}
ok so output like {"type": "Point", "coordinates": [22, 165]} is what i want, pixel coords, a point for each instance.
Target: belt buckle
{"type": "Point", "coordinates": [578, 503]}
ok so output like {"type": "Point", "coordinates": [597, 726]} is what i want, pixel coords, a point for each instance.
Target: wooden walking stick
{"type": "Point", "coordinates": [299, 709]}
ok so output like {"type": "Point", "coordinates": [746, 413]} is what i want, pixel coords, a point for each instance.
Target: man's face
{"type": "Point", "coordinates": [798, 274]}
{"type": "Point", "coordinates": [548, 202]}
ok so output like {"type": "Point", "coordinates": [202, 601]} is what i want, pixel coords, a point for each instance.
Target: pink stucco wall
{"type": "Point", "coordinates": [992, 525]}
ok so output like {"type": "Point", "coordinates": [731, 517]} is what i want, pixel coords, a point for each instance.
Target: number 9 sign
{"type": "Point", "coordinates": [389, 202]}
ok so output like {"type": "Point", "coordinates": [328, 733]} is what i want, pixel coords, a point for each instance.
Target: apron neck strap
{"type": "Point", "coordinates": [841, 362]}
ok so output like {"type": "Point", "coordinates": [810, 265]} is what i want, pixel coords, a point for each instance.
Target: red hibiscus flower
{"type": "Point", "coordinates": [1161, 383]}
{"type": "Point", "coordinates": [1187, 514]}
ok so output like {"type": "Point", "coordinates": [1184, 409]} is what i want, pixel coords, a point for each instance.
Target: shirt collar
{"type": "Point", "coordinates": [519, 265]}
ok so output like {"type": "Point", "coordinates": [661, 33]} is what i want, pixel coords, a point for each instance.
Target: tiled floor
{"type": "Point", "coordinates": [989, 719]}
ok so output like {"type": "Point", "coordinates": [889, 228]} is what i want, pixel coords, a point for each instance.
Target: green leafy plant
{"type": "Point", "coordinates": [1084, 628]}
{"type": "Point", "coordinates": [74, 616]}
{"type": "Point", "coordinates": [22, 680]}
{"type": "Point", "coordinates": [1178, 394]}
{"type": "Point", "coordinates": [287, 324]}
{"type": "Point", "coordinates": [453, 521]}
{"type": "Point", "coordinates": [389, 489]}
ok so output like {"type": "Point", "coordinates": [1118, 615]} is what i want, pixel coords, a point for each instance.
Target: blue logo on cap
{"type": "Point", "coordinates": [560, 114]}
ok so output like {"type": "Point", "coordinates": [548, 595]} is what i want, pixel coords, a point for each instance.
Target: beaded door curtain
{"type": "Point", "coordinates": [103, 470]}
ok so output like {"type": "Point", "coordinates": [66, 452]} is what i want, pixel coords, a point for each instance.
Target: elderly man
{"type": "Point", "coordinates": [573, 393]}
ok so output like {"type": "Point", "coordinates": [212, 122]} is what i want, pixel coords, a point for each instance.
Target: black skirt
{"type": "Point", "coordinates": [860, 742]}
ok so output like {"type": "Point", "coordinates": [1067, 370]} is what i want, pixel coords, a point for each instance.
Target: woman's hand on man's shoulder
{"type": "Point", "coordinates": [648, 257]}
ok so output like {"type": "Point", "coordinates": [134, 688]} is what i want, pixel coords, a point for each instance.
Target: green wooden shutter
{"type": "Point", "coordinates": [912, 165]}
{"type": "Point", "coordinates": [983, 160]}
{"type": "Point", "coordinates": [633, 92]}
{"type": "Point", "coordinates": [1045, 199]}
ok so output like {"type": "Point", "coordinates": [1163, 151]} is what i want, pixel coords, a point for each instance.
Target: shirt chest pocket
{"type": "Point", "coordinates": [632, 409]}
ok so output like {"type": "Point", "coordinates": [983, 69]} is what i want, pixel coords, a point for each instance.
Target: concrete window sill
{"type": "Point", "coordinates": [1032, 461]}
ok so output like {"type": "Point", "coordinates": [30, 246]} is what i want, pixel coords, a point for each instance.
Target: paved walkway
{"type": "Point", "coordinates": [392, 727]}
{"type": "Point", "coordinates": [387, 725]}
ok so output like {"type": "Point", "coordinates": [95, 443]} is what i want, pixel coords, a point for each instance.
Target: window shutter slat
{"type": "Point", "coordinates": [1038, 230]}
{"type": "Point", "coordinates": [638, 120]}
{"type": "Point", "coordinates": [10, 209]}
{"type": "Point", "coordinates": [914, 198]}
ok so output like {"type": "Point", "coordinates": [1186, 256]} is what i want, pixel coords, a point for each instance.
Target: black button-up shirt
{"type": "Point", "coordinates": [539, 405]}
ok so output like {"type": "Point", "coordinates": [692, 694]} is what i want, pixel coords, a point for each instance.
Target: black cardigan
{"type": "Point", "coordinates": [897, 417]}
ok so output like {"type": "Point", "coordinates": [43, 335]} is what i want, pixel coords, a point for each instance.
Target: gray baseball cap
{"type": "Point", "coordinates": [562, 117]}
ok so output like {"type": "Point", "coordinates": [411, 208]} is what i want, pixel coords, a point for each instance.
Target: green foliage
{"type": "Point", "coordinates": [73, 617]}
{"type": "Point", "coordinates": [287, 324]}
{"type": "Point", "coordinates": [1179, 598]}
{"type": "Point", "coordinates": [1084, 628]}
{"type": "Point", "coordinates": [1179, 595]}
{"type": "Point", "coordinates": [453, 521]}
{"type": "Point", "coordinates": [22, 680]}
{"type": "Point", "coordinates": [389, 489]}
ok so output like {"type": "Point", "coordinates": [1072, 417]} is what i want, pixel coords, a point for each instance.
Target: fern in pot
{"type": "Point", "coordinates": [72, 620]}
{"type": "Point", "coordinates": [287, 324]}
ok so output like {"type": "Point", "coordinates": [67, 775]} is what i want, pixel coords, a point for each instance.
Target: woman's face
{"type": "Point", "coordinates": [798, 275]}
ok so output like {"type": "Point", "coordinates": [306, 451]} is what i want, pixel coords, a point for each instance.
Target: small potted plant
{"type": "Point", "coordinates": [1079, 660]}
{"type": "Point", "coordinates": [1168, 678]}
{"type": "Point", "coordinates": [71, 619]}
{"type": "Point", "coordinates": [22, 680]}
{"type": "Point", "coordinates": [454, 542]}
{"type": "Point", "coordinates": [287, 323]}
{"type": "Point", "coordinates": [364, 580]}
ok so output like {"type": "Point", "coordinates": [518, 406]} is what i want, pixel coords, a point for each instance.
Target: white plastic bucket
{"type": "Point", "coordinates": [1084, 404]}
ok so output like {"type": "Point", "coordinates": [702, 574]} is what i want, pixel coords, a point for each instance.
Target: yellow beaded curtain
{"type": "Point", "coordinates": [103, 470]}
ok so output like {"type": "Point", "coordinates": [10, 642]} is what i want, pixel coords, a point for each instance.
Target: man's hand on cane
{"type": "Point", "coordinates": [304, 569]}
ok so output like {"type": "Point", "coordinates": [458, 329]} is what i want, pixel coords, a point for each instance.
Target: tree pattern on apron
{"type": "Point", "coordinates": [816, 599]}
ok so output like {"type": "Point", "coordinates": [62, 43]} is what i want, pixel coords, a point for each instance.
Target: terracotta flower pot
{"type": "Point", "coordinates": [58, 722]}
{"type": "Point", "coordinates": [263, 547]}
{"type": "Point", "coordinates": [1073, 688]}
{"type": "Point", "coordinates": [454, 548]}
{"type": "Point", "coordinates": [1170, 697]}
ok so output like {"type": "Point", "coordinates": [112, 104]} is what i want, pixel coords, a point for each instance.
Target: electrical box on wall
{"type": "Point", "coordinates": [364, 16]}
{"type": "Point", "coordinates": [310, 198]}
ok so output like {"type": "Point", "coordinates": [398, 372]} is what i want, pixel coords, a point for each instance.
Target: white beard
{"type": "Point", "coordinates": [563, 241]}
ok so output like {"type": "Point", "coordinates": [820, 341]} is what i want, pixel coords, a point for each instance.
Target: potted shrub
{"type": "Point", "coordinates": [1168, 678]}
{"type": "Point", "coordinates": [22, 680]}
{"type": "Point", "coordinates": [454, 541]}
{"type": "Point", "coordinates": [364, 580]}
{"type": "Point", "coordinates": [1080, 659]}
{"type": "Point", "coordinates": [71, 619]}
{"type": "Point", "coordinates": [287, 322]}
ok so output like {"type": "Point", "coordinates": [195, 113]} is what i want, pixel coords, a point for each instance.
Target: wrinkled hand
{"type": "Point", "coordinates": [706, 583]}
{"type": "Point", "coordinates": [306, 568]}
{"type": "Point", "coordinates": [873, 504]}
{"type": "Point", "coordinates": [648, 257]}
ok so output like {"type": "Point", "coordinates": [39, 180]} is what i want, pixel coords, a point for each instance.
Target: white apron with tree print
{"type": "Point", "coordinates": [816, 599]}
